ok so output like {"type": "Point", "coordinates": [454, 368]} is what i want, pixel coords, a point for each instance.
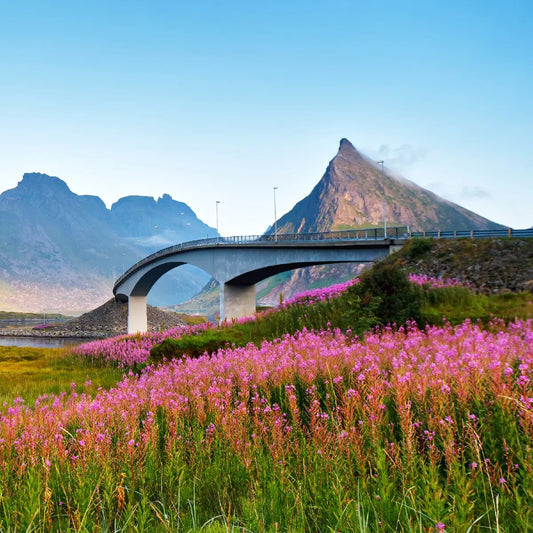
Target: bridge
{"type": "Point", "coordinates": [238, 263]}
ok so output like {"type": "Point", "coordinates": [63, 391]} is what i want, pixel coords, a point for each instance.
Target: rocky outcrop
{"type": "Point", "coordinates": [109, 319]}
{"type": "Point", "coordinates": [490, 265]}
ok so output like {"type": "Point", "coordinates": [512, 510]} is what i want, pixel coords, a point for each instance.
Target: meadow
{"type": "Point", "coordinates": [318, 416]}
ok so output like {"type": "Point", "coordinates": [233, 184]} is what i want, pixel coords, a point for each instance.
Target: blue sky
{"type": "Point", "coordinates": [224, 100]}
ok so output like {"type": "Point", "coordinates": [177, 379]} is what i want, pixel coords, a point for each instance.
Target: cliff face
{"type": "Point", "coordinates": [355, 193]}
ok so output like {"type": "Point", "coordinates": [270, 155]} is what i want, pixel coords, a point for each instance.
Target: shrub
{"type": "Point", "coordinates": [418, 247]}
{"type": "Point", "coordinates": [400, 300]}
{"type": "Point", "coordinates": [194, 345]}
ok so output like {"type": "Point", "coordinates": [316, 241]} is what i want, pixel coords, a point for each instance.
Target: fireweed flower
{"type": "Point", "coordinates": [437, 283]}
{"type": "Point", "coordinates": [230, 390]}
{"type": "Point", "coordinates": [319, 295]}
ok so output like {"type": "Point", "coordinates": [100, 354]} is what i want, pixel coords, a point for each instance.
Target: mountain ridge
{"type": "Point", "coordinates": [60, 251]}
{"type": "Point", "coordinates": [355, 193]}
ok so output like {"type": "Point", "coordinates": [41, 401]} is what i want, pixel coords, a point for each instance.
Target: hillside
{"type": "Point", "coordinates": [490, 265]}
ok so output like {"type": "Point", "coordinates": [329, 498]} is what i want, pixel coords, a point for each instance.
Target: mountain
{"type": "Point", "coordinates": [151, 222]}
{"type": "Point", "coordinates": [149, 225]}
{"type": "Point", "coordinates": [351, 193]}
{"type": "Point", "coordinates": [60, 251]}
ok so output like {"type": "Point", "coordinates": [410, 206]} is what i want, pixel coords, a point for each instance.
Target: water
{"type": "Point", "coordinates": [35, 342]}
{"type": "Point", "coordinates": [20, 322]}
{"type": "Point", "coordinates": [41, 342]}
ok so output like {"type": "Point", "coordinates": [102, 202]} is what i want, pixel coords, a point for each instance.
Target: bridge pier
{"type": "Point", "coordinates": [236, 301]}
{"type": "Point", "coordinates": [395, 248]}
{"type": "Point", "coordinates": [137, 314]}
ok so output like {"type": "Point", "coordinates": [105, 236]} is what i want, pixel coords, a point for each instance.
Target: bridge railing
{"type": "Point", "coordinates": [394, 232]}
{"type": "Point", "coordinates": [475, 234]}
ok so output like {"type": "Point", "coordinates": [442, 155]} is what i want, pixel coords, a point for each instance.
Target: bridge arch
{"type": "Point", "coordinates": [239, 265]}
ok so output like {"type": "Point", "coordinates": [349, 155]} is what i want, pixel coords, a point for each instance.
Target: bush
{"type": "Point", "coordinates": [399, 299]}
{"type": "Point", "coordinates": [418, 247]}
{"type": "Point", "coordinates": [195, 345]}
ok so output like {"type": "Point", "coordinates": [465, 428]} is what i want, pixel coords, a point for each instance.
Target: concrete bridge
{"type": "Point", "coordinates": [238, 263]}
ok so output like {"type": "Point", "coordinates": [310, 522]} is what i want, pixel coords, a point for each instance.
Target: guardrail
{"type": "Point", "coordinates": [373, 234]}
{"type": "Point", "coordinates": [475, 234]}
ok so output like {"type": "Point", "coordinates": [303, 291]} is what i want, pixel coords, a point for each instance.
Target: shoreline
{"type": "Point", "coordinates": [59, 333]}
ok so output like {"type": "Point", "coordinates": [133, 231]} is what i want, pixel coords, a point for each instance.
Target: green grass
{"type": "Point", "coordinates": [11, 315]}
{"type": "Point", "coordinates": [457, 304]}
{"type": "Point", "coordinates": [31, 372]}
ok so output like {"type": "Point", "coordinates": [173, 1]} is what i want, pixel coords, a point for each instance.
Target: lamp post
{"type": "Point", "coordinates": [181, 230]}
{"type": "Point", "coordinates": [384, 204]}
{"type": "Point", "coordinates": [216, 204]}
{"type": "Point", "coordinates": [275, 216]}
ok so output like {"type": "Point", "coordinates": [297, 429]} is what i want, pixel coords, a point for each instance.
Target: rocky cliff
{"type": "Point", "coordinates": [354, 192]}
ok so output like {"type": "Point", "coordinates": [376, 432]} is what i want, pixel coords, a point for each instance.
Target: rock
{"type": "Point", "coordinates": [107, 320]}
{"type": "Point", "coordinates": [528, 286]}
{"type": "Point", "coordinates": [112, 317]}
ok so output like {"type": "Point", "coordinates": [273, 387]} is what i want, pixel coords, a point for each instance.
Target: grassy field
{"type": "Point", "coordinates": [12, 315]}
{"type": "Point", "coordinates": [31, 372]}
{"type": "Point", "coordinates": [288, 425]}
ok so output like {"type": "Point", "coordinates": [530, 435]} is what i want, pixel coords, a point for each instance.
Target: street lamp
{"type": "Point", "coordinates": [181, 228]}
{"type": "Point", "coordinates": [217, 202]}
{"type": "Point", "coordinates": [275, 216]}
{"type": "Point", "coordinates": [384, 204]}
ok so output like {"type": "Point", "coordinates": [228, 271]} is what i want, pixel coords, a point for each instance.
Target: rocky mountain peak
{"type": "Point", "coordinates": [347, 151]}
{"type": "Point", "coordinates": [354, 193]}
{"type": "Point", "coordinates": [37, 181]}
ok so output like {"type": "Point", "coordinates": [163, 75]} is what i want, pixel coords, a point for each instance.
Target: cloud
{"type": "Point", "coordinates": [402, 156]}
{"type": "Point", "coordinates": [449, 191]}
{"type": "Point", "coordinates": [156, 241]}
{"type": "Point", "coordinates": [438, 187]}
{"type": "Point", "coordinates": [474, 192]}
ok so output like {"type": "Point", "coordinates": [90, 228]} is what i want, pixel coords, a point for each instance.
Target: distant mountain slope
{"type": "Point", "coordinates": [61, 252]}
{"type": "Point", "coordinates": [161, 222]}
{"type": "Point", "coordinates": [45, 229]}
{"type": "Point", "coordinates": [350, 195]}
